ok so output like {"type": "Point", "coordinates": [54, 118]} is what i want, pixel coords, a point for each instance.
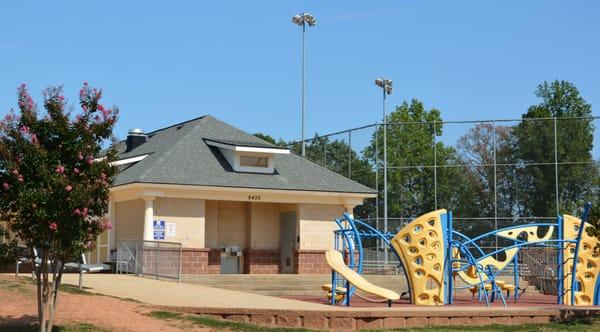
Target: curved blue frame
{"type": "Point", "coordinates": [353, 232]}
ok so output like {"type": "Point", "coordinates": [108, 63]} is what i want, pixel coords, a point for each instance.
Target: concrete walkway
{"type": "Point", "coordinates": [273, 311]}
{"type": "Point", "coordinates": [170, 293]}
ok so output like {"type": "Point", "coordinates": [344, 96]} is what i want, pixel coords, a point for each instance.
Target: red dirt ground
{"type": "Point", "coordinates": [18, 307]}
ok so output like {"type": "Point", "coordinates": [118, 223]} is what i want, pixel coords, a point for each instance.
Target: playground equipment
{"type": "Point", "coordinates": [432, 254]}
{"type": "Point", "coordinates": [336, 261]}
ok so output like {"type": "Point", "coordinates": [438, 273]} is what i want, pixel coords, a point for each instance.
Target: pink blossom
{"type": "Point", "coordinates": [15, 172]}
{"type": "Point", "coordinates": [24, 130]}
{"type": "Point", "coordinates": [107, 225]}
{"type": "Point", "coordinates": [90, 161]}
{"type": "Point", "coordinates": [68, 188]}
{"type": "Point", "coordinates": [60, 169]}
{"type": "Point", "coordinates": [8, 117]}
{"type": "Point", "coordinates": [76, 170]}
{"type": "Point", "coordinates": [77, 212]}
{"type": "Point", "coordinates": [53, 226]}
{"type": "Point", "coordinates": [80, 156]}
{"type": "Point", "coordinates": [61, 97]}
{"type": "Point", "coordinates": [20, 178]}
{"type": "Point", "coordinates": [34, 139]}
{"type": "Point", "coordinates": [85, 212]}
{"type": "Point", "coordinates": [33, 205]}
{"type": "Point", "coordinates": [6, 186]}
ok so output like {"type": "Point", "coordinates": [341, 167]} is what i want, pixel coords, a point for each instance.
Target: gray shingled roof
{"type": "Point", "coordinates": [179, 155]}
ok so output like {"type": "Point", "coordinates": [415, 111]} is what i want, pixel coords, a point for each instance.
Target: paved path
{"type": "Point", "coordinates": [169, 293]}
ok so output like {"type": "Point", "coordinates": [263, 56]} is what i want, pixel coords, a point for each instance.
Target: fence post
{"type": "Point", "coordinates": [495, 187]}
{"type": "Point", "coordinates": [179, 261]}
{"type": "Point", "coordinates": [325, 154]}
{"type": "Point", "coordinates": [556, 168]}
{"type": "Point", "coordinates": [435, 167]}
{"type": "Point", "coordinates": [157, 258]}
{"type": "Point", "coordinates": [135, 269]}
{"type": "Point", "coordinates": [379, 242]}
{"type": "Point", "coordinates": [350, 154]}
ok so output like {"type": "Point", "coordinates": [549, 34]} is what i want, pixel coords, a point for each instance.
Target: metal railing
{"type": "Point", "coordinates": [539, 267]}
{"type": "Point", "coordinates": [159, 259]}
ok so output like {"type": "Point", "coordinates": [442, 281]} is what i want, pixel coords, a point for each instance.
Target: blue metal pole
{"type": "Point", "coordinates": [560, 261]}
{"type": "Point", "coordinates": [516, 276]}
{"type": "Point", "coordinates": [574, 287]}
{"type": "Point", "coordinates": [449, 242]}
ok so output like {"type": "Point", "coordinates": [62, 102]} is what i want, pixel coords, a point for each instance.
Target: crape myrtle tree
{"type": "Point", "coordinates": [55, 188]}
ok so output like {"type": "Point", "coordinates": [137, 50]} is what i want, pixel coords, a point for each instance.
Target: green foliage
{"type": "Point", "coordinates": [55, 192]}
{"type": "Point", "coordinates": [270, 139]}
{"type": "Point", "coordinates": [410, 141]}
{"type": "Point", "coordinates": [265, 137]}
{"type": "Point", "coordinates": [534, 140]}
{"type": "Point", "coordinates": [467, 182]}
{"type": "Point", "coordinates": [336, 155]}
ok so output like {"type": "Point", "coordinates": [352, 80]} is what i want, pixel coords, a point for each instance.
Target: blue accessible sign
{"type": "Point", "coordinates": [159, 229]}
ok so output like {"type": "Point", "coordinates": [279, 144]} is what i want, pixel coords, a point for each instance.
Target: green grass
{"type": "Point", "coordinates": [204, 321]}
{"type": "Point", "coordinates": [15, 286]}
{"type": "Point", "coordinates": [74, 290]}
{"type": "Point", "coordinates": [575, 325]}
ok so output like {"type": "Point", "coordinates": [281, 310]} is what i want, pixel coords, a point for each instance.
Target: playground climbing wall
{"type": "Point", "coordinates": [420, 245]}
{"type": "Point", "coordinates": [588, 265]}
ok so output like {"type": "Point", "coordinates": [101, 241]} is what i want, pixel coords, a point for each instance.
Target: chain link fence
{"type": "Point", "coordinates": [491, 174]}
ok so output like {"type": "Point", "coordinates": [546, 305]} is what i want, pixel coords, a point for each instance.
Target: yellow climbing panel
{"type": "Point", "coordinates": [471, 276]}
{"type": "Point", "coordinates": [420, 245]}
{"type": "Point", "coordinates": [530, 231]}
{"type": "Point", "coordinates": [588, 265]}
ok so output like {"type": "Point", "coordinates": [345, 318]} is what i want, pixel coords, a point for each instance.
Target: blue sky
{"type": "Point", "coordinates": [165, 62]}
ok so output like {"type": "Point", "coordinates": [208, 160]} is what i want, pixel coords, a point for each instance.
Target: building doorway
{"type": "Point", "coordinates": [287, 241]}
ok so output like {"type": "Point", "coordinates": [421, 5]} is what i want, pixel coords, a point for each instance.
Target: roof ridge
{"type": "Point", "coordinates": [180, 123]}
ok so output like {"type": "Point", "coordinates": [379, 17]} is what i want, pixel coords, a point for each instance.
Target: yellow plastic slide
{"type": "Point", "coordinates": [336, 262]}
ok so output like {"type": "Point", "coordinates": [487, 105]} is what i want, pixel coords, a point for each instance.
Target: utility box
{"type": "Point", "coordinates": [231, 260]}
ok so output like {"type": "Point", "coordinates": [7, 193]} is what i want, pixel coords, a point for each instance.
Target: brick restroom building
{"type": "Point", "coordinates": [217, 187]}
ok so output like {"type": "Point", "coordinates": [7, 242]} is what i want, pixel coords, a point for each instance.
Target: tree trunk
{"type": "Point", "coordinates": [57, 272]}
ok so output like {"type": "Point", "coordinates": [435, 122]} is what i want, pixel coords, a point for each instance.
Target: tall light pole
{"type": "Point", "coordinates": [386, 87]}
{"type": "Point", "coordinates": [302, 20]}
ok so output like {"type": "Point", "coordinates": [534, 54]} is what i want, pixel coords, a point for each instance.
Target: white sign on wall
{"type": "Point", "coordinates": [171, 229]}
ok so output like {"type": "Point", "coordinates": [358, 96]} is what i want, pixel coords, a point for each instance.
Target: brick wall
{"type": "Point", "coordinates": [200, 261]}
{"type": "Point", "coordinates": [261, 261]}
{"type": "Point", "coordinates": [310, 262]}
